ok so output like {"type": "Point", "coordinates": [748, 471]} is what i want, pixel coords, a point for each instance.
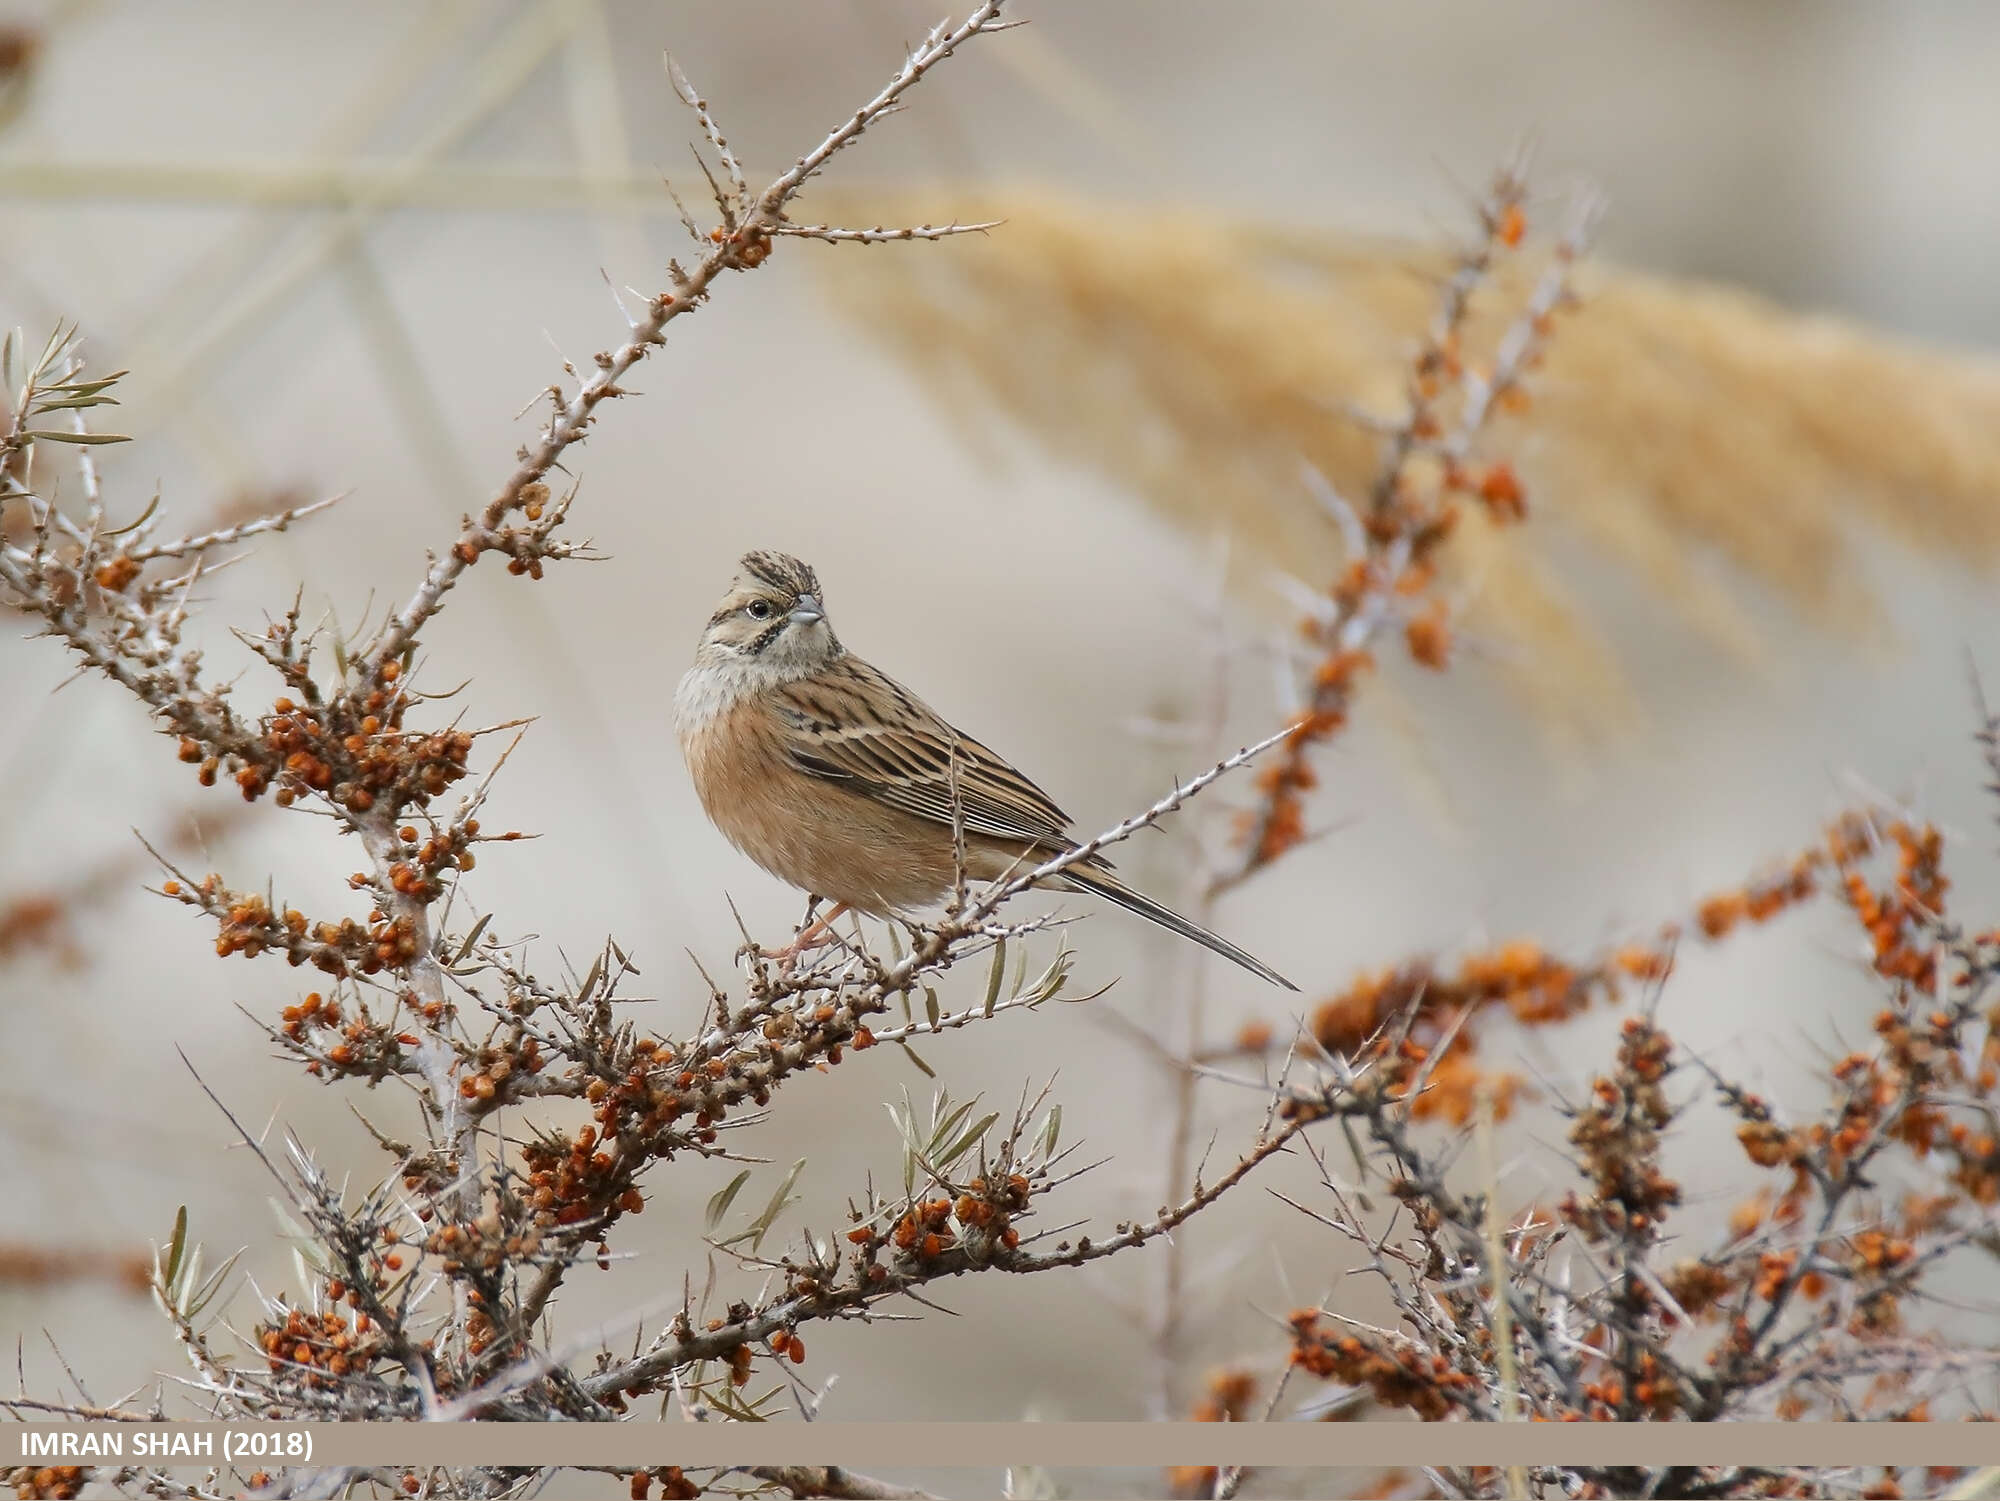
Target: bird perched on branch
{"type": "Point", "coordinates": [840, 781]}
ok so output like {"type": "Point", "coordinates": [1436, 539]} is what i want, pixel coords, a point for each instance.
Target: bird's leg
{"type": "Point", "coordinates": [817, 933]}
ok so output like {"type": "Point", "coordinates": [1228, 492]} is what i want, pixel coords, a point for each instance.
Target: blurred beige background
{"type": "Point", "coordinates": [1833, 156]}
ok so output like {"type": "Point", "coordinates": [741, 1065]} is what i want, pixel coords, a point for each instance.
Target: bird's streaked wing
{"type": "Point", "coordinates": [856, 726]}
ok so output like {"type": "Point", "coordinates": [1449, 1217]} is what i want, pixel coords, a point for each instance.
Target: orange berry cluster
{"type": "Point", "coordinates": [357, 760]}
{"type": "Point", "coordinates": [55, 1482]}
{"type": "Point", "coordinates": [1769, 1144]}
{"type": "Point", "coordinates": [484, 1081]}
{"type": "Point", "coordinates": [1497, 488]}
{"type": "Point", "coordinates": [639, 1098]}
{"type": "Point", "coordinates": [1849, 840]}
{"type": "Point", "coordinates": [1897, 919]}
{"type": "Point", "coordinates": [363, 1048]}
{"type": "Point", "coordinates": [1395, 1067]}
{"type": "Point", "coordinates": [1652, 1394]}
{"type": "Point", "coordinates": [1888, 1096]}
{"type": "Point", "coordinates": [525, 547]}
{"type": "Point", "coordinates": [478, 1326]}
{"type": "Point", "coordinates": [583, 1182]}
{"type": "Point", "coordinates": [978, 1217]}
{"type": "Point", "coordinates": [1533, 985]}
{"type": "Point", "coordinates": [987, 1207]}
{"type": "Point", "coordinates": [652, 1095]}
{"type": "Point", "coordinates": [745, 248]}
{"type": "Point", "coordinates": [248, 925]}
{"type": "Point", "coordinates": [739, 1361]}
{"type": "Point", "coordinates": [487, 1244]}
{"type": "Point", "coordinates": [351, 749]}
{"type": "Point", "coordinates": [327, 1347]}
{"type": "Point", "coordinates": [1282, 783]}
{"type": "Point", "coordinates": [1877, 1252]}
{"type": "Point", "coordinates": [1230, 1392]}
{"type": "Point", "coordinates": [1537, 988]}
{"type": "Point", "coordinates": [1920, 1054]}
{"type": "Point", "coordinates": [674, 1486]}
{"type": "Point", "coordinates": [1699, 1286]}
{"type": "Point", "coordinates": [1978, 1167]}
{"type": "Point", "coordinates": [925, 1232]}
{"type": "Point", "coordinates": [1428, 637]}
{"type": "Point", "coordinates": [1618, 1136]}
{"type": "Point", "coordinates": [1774, 1273]}
{"type": "Point", "coordinates": [421, 874]}
{"type": "Point", "coordinates": [1452, 1091]}
{"type": "Point", "coordinates": [1397, 1371]}
{"type": "Point", "coordinates": [1228, 1396]}
{"type": "Point", "coordinates": [115, 574]}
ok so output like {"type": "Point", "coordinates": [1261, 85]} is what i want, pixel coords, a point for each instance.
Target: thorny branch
{"type": "Point", "coordinates": [1426, 469]}
{"type": "Point", "coordinates": [1803, 1307]}
{"type": "Point", "coordinates": [741, 243]}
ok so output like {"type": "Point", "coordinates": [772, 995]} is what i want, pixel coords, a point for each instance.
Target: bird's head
{"type": "Point", "coordinates": [773, 616]}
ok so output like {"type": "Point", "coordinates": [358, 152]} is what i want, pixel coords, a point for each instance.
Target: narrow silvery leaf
{"type": "Point", "coordinates": [472, 938]}
{"type": "Point", "coordinates": [777, 1205]}
{"type": "Point", "coordinates": [1051, 1129]}
{"type": "Point", "coordinates": [905, 1127]}
{"type": "Point", "coordinates": [718, 1204]}
{"type": "Point", "coordinates": [43, 435]}
{"type": "Point", "coordinates": [942, 1132]}
{"type": "Point", "coordinates": [958, 1148]}
{"type": "Point", "coordinates": [205, 1294]}
{"type": "Point", "coordinates": [176, 1248]}
{"type": "Point", "coordinates": [995, 976]}
{"type": "Point", "coordinates": [144, 516]}
{"type": "Point", "coordinates": [73, 403]}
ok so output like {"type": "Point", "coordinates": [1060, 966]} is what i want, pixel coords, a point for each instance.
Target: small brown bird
{"type": "Point", "coordinates": [838, 780]}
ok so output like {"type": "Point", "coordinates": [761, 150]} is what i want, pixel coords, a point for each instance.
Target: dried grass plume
{"type": "Point", "coordinates": [1701, 437]}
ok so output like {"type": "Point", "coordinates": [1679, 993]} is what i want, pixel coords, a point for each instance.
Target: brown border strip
{"type": "Point", "coordinates": [1050, 1445]}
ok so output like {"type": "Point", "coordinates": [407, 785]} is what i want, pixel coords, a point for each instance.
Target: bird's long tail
{"type": "Point", "coordinates": [1108, 886]}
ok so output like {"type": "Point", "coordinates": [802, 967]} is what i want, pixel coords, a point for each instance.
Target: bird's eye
{"type": "Point", "coordinates": [758, 609]}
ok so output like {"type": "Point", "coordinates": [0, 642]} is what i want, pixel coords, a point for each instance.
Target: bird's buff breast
{"type": "Point", "coordinates": [805, 830]}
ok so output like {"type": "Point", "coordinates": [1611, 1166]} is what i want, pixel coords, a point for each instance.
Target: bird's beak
{"type": "Point", "coordinates": [806, 611]}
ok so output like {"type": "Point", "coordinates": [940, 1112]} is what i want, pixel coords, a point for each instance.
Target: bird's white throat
{"type": "Point", "coordinates": [709, 690]}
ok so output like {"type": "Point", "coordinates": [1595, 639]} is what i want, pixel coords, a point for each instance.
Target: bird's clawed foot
{"type": "Point", "coordinates": [816, 934]}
